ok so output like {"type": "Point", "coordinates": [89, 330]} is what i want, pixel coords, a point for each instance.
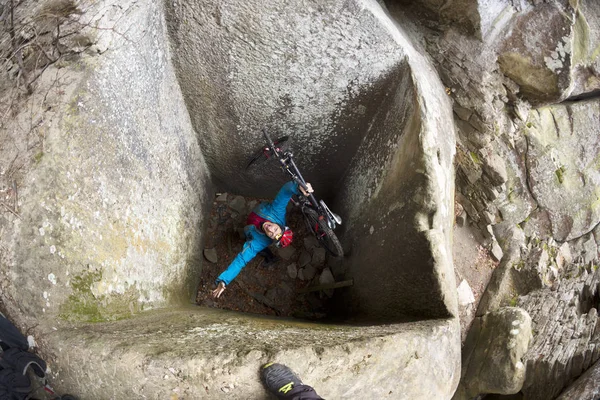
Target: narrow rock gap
{"type": "Point", "coordinates": [589, 299]}
{"type": "Point", "coordinates": [584, 96]}
{"type": "Point", "coordinates": [528, 177]}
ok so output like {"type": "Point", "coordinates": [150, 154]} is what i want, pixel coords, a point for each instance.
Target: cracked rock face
{"type": "Point", "coordinates": [563, 161]}
{"type": "Point", "coordinates": [567, 338]}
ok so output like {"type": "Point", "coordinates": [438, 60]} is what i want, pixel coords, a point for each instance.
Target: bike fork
{"type": "Point", "coordinates": [332, 218]}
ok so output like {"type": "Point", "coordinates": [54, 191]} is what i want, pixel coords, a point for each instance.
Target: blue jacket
{"type": "Point", "coordinates": [256, 240]}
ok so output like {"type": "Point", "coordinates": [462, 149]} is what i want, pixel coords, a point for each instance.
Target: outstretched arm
{"type": "Point", "coordinates": [249, 251]}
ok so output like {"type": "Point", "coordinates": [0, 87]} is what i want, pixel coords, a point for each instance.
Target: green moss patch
{"type": "Point", "coordinates": [83, 306]}
{"type": "Point", "coordinates": [560, 174]}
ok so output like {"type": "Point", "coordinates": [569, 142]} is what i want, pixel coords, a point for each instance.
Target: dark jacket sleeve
{"type": "Point", "coordinates": [249, 251]}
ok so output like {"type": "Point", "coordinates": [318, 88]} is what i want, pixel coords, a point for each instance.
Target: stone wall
{"type": "Point", "coordinates": [566, 332]}
{"type": "Point", "coordinates": [524, 176]}
{"type": "Point", "coordinates": [318, 72]}
{"type": "Point", "coordinates": [396, 207]}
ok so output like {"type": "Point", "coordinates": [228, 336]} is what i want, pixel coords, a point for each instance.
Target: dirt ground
{"type": "Point", "coordinates": [472, 263]}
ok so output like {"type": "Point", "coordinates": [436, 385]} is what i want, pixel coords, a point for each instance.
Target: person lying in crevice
{"type": "Point", "coordinates": [265, 225]}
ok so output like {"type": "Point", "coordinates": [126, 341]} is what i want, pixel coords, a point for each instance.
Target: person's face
{"type": "Point", "coordinates": [271, 230]}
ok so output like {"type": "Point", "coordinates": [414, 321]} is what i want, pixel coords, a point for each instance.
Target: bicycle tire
{"type": "Point", "coordinates": [260, 157]}
{"type": "Point", "coordinates": [318, 226]}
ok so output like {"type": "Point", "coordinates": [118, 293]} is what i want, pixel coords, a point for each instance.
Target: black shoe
{"type": "Point", "coordinates": [279, 379]}
{"type": "Point", "coordinates": [268, 263]}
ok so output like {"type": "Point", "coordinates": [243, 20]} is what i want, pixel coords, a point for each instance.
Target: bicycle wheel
{"type": "Point", "coordinates": [317, 224]}
{"type": "Point", "coordinates": [262, 155]}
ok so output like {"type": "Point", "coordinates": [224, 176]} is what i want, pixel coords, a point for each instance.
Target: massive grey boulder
{"type": "Point", "coordinates": [493, 354]}
{"type": "Point", "coordinates": [316, 72]}
{"type": "Point", "coordinates": [562, 165]}
{"type": "Point", "coordinates": [215, 354]}
{"type": "Point", "coordinates": [111, 208]}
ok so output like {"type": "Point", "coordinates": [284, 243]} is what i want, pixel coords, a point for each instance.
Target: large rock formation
{"type": "Point", "coordinates": [526, 168]}
{"type": "Point", "coordinates": [111, 203]}
{"type": "Point", "coordinates": [584, 388]}
{"type": "Point", "coordinates": [563, 171]}
{"type": "Point", "coordinates": [565, 322]}
{"type": "Point", "coordinates": [134, 116]}
{"type": "Point", "coordinates": [494, 351]}
{"type": "Point", "coordinates": [109, 216]}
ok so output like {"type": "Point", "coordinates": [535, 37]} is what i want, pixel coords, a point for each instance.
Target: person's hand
{"type": "Point", "coordinates": [306, 192]}
{"type": "Point", "coordinates": [219, 290]}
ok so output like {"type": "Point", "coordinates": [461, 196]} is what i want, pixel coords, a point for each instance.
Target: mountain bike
{"type": "Point", "coordinates": [320, 220]}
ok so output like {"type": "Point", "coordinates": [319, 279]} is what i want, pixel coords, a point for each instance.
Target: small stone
{"type": "Point", "coordinates": [318, 257]}
{"type": "Point", "coordinates": [465, 294]}
{"type": "Point", "coordinates": [301, 274]}
{"type": "Point", "coordinates": [488, 217]}
{"type": "Point", "coordinates": [211, 255]}
{"type": "Point", "coordinates": [221, 197]}
{"type": "Point", "coordinates": [590, 250]}
{"type": "Point", "coordinates": [292, 271]}
{"type": "Point", "coordinates": [309, 272]}
{"type": "Point", "coordinates": [304, 259]}
{"type": "Point", "coordinates": [462, 113]}
{"type": "Point", "coordinates": [496, 251]}
{"type": "Point", "coordinates": [310, 242]}
{"type": "Point", "coordinates": [495, 169]}
{"type": "Point", "coordinates": [468, 207]}
{"type": "Point", "coordinates": [486, 230]}
{"type": "Point", "coordinates": [461, 219]}
{"type": "Point", "coordinates": [251, 205]}
{"type": "Point", "coordinates": [238, 204]}
{"type": "Point", "coordinates": [286, 252]}
{"type": "Point", "coordinates": [564, 256]}
{"type": "Point", "coordinates": [326, 278]}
